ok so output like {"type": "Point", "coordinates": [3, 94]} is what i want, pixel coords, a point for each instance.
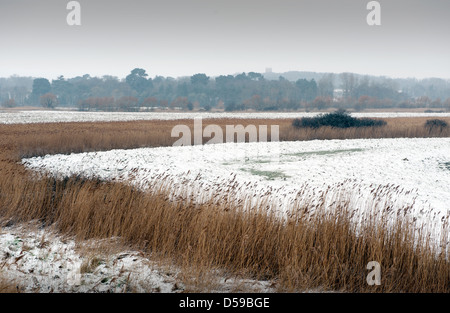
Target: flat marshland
{"type": "Point", "coordinates": [298, 251]}
{"type": "Point", "coordinates": [51, 138]}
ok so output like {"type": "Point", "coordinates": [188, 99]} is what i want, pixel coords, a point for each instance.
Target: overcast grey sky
{"type": "Point", "coordinates": [183, 37]}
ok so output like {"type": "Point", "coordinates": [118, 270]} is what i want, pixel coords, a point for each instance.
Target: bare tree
{"type": "Point", "coordinates": [48, 100]}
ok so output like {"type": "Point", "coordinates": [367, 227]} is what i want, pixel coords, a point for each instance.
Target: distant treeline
{"type": "Point", "coordinates": [246, 91]}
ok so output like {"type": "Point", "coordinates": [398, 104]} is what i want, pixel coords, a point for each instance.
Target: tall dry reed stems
{"type": "Point", "coordinates": [40, 139]}
{"type": "Point", "coordinates": [299, 252]}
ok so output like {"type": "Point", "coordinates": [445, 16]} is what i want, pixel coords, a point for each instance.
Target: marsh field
{"type": "Point", "coordinates": [97, 206]}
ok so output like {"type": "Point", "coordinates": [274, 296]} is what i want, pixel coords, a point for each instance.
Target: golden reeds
{"type": "Point", "coordinates": [298, 252]}
{"type": "Point", "coordinates": [39, 139]}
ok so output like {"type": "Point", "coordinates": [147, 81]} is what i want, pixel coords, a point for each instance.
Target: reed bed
{"type": "Point", "coordinates": [39, 139]}
{"type": "Point", "coordinates": [298, 252]}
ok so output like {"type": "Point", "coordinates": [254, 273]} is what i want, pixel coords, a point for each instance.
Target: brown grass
{"type": "Point", "coordinates": [39, 139]}
{"type": "Point", "coordinates": [300, 252]}
{"type": "Point", "coordinates": [6, 285]}
{"type": "Point", "coordinates": [406, 127]}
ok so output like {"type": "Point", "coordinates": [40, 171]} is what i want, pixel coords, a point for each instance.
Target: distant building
{"type": "Point", "coordinates": [268, 70]}
{"type": "Point", "coordinates": [338, 94]}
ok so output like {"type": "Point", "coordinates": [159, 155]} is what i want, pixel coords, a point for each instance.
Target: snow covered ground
{"type": "Point", "coordinates": [37, 260]}
{"type": "Point", "coordinates": [24, 117]}
{"type": "Point", "coordinates": [371, 174]}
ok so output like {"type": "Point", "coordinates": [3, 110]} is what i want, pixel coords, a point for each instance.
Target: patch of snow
{"type": "Point", "coordinates": [44, 262]}
{"type": "Point", "coordinates": [25, 117]}
{"type": "Point", "coordinates": [371, 174]}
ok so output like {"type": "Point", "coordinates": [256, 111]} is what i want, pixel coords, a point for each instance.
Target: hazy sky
{"type": "Point", "coordinates": [183, 37]}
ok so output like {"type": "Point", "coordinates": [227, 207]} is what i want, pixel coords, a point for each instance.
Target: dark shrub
{"type": "Point", "coordinates": [368, 122]}
{"type": "Point", "coordinates": [338, 119]}
{"type": "Point", "coordinates": [435, 124]}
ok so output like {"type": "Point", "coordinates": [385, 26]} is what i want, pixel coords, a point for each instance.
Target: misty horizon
{"type": "Point", "coordinates": [272, 73]}
{"type": "Point", "coordinates": [181, 38]}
